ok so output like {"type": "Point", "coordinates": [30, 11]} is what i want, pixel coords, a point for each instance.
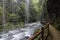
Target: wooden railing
{"type": "Point", "coordinates": [41, 34]}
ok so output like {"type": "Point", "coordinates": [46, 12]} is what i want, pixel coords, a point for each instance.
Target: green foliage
{"type": "Point", "coordinates": [58, 26]}
{"type": "Point", "coordinates": [1, 28]}
{"type": "Point", "coordinates": [57, 23]}
{"type": "Point", "coordinates": [17, 17]}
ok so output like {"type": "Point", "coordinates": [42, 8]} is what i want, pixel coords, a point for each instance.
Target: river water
{"type": "Point", "coordinates": [21, 34]}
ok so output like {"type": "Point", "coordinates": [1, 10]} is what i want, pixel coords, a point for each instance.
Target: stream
{"type": "Point", "coordinates": [21, 34]}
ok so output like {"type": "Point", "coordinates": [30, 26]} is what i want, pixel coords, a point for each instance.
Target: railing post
{"type": "Point", "coordinates": [48, 28]}
{"type": "Point", "coordinates": [48, 32]}
{"type": "Point", "coordinates": [42, 33]}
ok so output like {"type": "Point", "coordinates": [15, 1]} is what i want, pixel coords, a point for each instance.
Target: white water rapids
{"type": "Point", "coordinates": [21, 34]}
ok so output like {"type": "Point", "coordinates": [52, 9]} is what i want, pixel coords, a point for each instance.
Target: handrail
{"type": "Point", "coordinates": [41, 32]}
{"type": "Point", "coordinates": [33, 37]}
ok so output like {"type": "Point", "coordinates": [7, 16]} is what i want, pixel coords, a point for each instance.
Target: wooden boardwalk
{"type": "Point", "coordinates": [54, 34]}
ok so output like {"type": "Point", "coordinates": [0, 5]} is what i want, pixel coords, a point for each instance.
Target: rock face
{"type": "Point", "coordinates": [53, 7]}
